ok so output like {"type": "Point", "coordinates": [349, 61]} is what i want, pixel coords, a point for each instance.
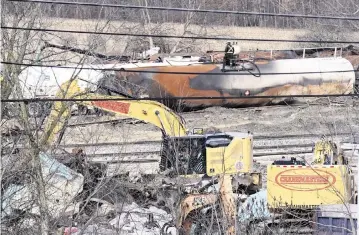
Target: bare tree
{"type": "Point", "coordinates": [22, 47]}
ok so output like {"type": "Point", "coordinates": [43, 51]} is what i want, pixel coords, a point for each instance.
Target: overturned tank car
{"type": "Point", "coordinates": [312, 76]}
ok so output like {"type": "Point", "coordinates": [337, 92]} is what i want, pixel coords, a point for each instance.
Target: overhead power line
{"type": "Point", "coordinates": [170, 72]}
{"type": "Point", "coordinates": [190, 10]}
{"type": "Point", "coordinates": [176, 98]}
{"type": "Point", "coordinates": [175, 36]}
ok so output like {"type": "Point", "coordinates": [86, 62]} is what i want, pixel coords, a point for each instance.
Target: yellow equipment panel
{"type": "Point", "coordinates": [306, 186]}
{"type": "Point", "coordinates": [237, 157]}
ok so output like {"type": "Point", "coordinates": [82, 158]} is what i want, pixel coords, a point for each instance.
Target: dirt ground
{"type": "Point", "coordinates": [271, 120]}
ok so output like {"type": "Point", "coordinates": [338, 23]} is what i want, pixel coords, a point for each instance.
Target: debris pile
{"type": "Point", "coordinates": [138, 220]}
{"type": "Point", "coordinates": [72, 205]}
{"type": "Point", "coordinates": [61, 187]}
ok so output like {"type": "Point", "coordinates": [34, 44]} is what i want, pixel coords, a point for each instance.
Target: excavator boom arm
{"type": "Point", "coordinates": [149, 111]}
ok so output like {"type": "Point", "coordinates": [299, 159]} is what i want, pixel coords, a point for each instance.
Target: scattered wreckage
{"type": "Point", "coordinates": [62, 185]}
{"type": "Point", "coordinates": [68, 195]}
{"type": "Point", "coordinates": [69, 199]}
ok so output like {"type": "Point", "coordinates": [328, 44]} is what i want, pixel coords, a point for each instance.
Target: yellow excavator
{"type": "Point", "coordinates": [217, 158]}
{"type": "Point", "coordinates": [327, 153]}
{"type": "Point", "coordinates": [327, 180]}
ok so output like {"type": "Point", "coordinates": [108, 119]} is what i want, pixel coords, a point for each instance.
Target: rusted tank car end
{"type": "Point", "coordinates": [312, 76]}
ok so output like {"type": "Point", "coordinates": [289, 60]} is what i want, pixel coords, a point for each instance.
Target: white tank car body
{"type": "Point", "coordinates": [326, 79]}
{"type": "Point", "coordinates": [41, 82]}
{"type": "Point", "coordinates": [285, 77]}
{"type": "Point", "coordinates": [45, 82]}
{"type": "Point", "coordinates": [328, 68]}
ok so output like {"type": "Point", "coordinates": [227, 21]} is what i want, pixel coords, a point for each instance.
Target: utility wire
{"type": "Point", "coordinates": [174, 36]}
{"type": "Point", "coordinates": [177, 98]}
{"type": "Point", "coordinates": [188, 10]}
{"type": "Point", "coordinates": [169, 72]}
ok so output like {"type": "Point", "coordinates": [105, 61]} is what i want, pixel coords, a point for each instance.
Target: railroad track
{"type": "Point", "coordinates": [260, 142]}
{"type": "Point", "coordinates": [145, 155]}
{"type": "Point", "coordinates": [265, 149]}
{"type": "Point", "coordinates": [256, 137]}
{"type": "Point", "coordinates": [150, 156]}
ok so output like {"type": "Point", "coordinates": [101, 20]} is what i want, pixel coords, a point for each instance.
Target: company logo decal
{"type": "Point", "coordinates": [305, 180]}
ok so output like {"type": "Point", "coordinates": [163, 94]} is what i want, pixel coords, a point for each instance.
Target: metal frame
{"type": "Point", "coordinates": [336, 49]}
